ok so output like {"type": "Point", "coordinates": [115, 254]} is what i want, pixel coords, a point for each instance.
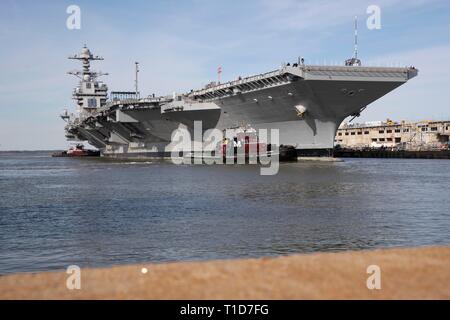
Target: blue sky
{"type": "Point", "coordinates": [180, 44]}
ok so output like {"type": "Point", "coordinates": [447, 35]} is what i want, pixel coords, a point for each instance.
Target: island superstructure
{"type": "Point", "coordinates": [306, 103]}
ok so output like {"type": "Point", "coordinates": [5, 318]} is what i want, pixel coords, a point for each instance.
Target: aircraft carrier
{"type": "Point", "coordinates": [307, 103]}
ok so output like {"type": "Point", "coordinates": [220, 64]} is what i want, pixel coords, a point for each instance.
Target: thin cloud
{"type": "Point", "coordinates": [322, 14]}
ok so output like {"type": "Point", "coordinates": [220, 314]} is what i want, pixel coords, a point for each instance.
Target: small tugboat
{"type": "Point", "coordinates": [245, 146]}
{"type": "Point", "coordinates": [77, 151]}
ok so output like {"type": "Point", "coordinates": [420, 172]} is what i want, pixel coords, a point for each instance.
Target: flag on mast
{"type": "Point", "coordinates": [219, 71]}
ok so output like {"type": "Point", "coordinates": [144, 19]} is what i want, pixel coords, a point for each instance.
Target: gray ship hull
{"type": "Point", "coordinates": [327, 96]}
{"type": "Point", "coordinates": [305, 103]}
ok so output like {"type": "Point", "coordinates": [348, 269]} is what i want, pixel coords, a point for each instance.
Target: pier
{"type": "Point", "coordinates": [386, 153]}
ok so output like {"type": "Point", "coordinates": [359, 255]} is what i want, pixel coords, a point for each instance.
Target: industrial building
{"type": "Point", "coordinates": [424, 135]}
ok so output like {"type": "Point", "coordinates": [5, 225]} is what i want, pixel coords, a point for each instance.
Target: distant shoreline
{"type": "Point", "coordinates": [22, 151]}
{"type": "Point", "coordinates": [406, 273]}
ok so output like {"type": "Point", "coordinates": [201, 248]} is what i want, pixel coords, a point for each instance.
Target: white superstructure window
{"type": "Point", "coordinates": [92, 103]}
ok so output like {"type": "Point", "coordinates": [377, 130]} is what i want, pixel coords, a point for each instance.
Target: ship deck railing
{"type": "Point", "coordinates": [211, 91]}
{"type": "Point", "coordinates": [148, 100]}
{"type": "Point", "coordinates": [236, 83]}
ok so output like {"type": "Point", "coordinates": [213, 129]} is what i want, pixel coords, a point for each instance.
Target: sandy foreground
{"type": "Point", "coordinates": [416, 273]}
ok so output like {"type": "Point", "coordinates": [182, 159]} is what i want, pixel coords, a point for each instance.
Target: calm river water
{"type": "Point", "coordinates": [55, 212]}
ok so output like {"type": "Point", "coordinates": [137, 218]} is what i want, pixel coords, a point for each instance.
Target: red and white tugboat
{"type": "Point", "coordinates": [77, 151]}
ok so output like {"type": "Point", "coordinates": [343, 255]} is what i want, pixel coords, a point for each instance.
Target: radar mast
{"type": "Point", "coordinates": [90, 93]}
{"type": "Point", "coordinates": [354, 61]}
